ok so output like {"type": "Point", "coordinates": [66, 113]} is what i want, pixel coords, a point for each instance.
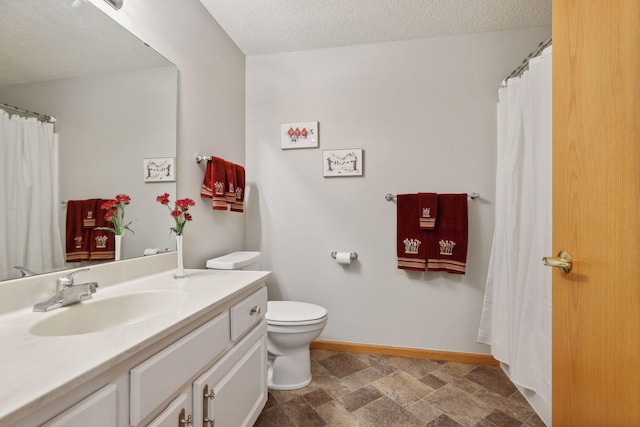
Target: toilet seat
{"type": "Point", "coordinates": [293, 313]}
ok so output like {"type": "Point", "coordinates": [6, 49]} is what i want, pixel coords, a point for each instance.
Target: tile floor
{"type": "Point", "coordinates": [352, 389]}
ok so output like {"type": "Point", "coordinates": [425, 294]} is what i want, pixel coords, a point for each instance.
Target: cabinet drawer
{"type": "Point", "coordinates": [248, 312]}
{"type": "Point", "coordinates": [174, 413]}
{"type": "Point", "coordinates": [98, 410]}
{"type": "Point", "coordinates": [155, 380]}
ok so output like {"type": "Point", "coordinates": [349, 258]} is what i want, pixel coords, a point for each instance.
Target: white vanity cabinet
{"type": "Point", "coordinates": [97, 410]}
{"type": "Point", "coordinates": [233, 388]}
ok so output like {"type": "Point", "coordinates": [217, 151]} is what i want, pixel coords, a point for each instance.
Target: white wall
{"type": "Point", "coordinates": [424, 112]}
{"type": "Point", "coordinates": [211, 96]}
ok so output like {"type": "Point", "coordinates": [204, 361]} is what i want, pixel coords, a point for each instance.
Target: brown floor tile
{"type": "Point", "coordinates": [319, 354]}
{"type": "Point", "coordinates": [493, 378]}
{"type": "Point", "coordinates": [376, 361]}
{"type": "Point", "coordinates": [443, 421]}
{"type": "Point", "coordinates": [332, 385]}
{"type": "Point", "coordinates": [519, 411]}
{"type": "Point", "coordinates": [518, 397]}
{"type": "Point", "coordinates": [274, 417]}
{"type": "Point", "coordinates": [535, 421]}
{"type": "Point", "coordinates": [417, 368]}
{"type": "Point", "coordinates": [456, 380]}
{"type": "Point", "coordinates": [461, 369]}
{"type": "Point", "coordinates": [402, 388]}
{"type": "Point", "coordinates": [335, 415]}
{"type": "Point", "coordinates": [385, 412]}
{"type": "Point", "coordinates": [342, 365]}
{"type": "Point", "coordinates": [433, 381]}
{"type": "Point", "coordinates": [283, 396]}
{"type": "Point", "coordinates": [462, 407]}
{"type": "Point", "coordinates": [358, 398]}
{"type": "Point", "coordinates": [424, 411]}
{"type": "Point", "coordinates": [500, 419]}
{"type": "Point", "coordinates": [271, 401]}
{"type": "Point", "coordinates": [361, 378]}
{"type": "Point", "coordinates": [302, 413]}
{"type": "Point", "coordinates": [317, 397]}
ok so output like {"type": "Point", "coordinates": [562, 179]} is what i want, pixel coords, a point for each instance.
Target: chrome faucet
{"type": "Point", "coordinates": [25, 271]}
{"type": "Point", "coordinates": [67, 292]}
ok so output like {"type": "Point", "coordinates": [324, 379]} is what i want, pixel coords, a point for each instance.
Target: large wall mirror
{"type": "Point", "coordinates": [115, 101]}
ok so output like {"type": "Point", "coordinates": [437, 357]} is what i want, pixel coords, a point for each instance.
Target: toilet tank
{"type": "Point", "coordinates": [243, 260]}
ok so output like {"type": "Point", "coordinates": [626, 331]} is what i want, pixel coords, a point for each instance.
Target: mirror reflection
{"type": "Point", "coordinates": [114, 100]}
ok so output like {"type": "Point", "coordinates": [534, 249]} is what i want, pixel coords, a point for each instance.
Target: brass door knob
{"type": "Point", "coordinates": [562, 261]}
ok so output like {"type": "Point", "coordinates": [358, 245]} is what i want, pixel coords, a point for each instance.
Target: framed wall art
{"type": "Point", "coordinates": [342, 162]}
{"type": "Point", "coordinates": [159, 169]}
{"type": "Point", "coordinates": [298, 135]}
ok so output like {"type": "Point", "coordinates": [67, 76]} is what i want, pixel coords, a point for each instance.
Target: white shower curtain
{"type": "Point", "coordinates": [516, 315]}
{"type": "Point", "coordinates": [29, 205]}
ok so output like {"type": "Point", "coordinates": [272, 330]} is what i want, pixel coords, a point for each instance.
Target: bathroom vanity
{"type": "Point", "coordinates": [153, 351]}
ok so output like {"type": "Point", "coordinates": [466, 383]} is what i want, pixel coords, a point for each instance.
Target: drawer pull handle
{"type": "Point", "coordinates": [181, 419]}
{"type": "Point", "coordinates": [255, 310]}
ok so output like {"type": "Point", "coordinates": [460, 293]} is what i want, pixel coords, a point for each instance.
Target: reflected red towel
{"type": "Point", "coordinates": [77, 237]}
{"type": "Point", "coordinates": [215, 183]}
{"type": "Point", "coordinates": [102, 245]}
{"type": "Point", "coordinates": [447, 244]}
{"type": "Point", "coordinates": [238, 203]}
{"type": "Point", "coordinates": [411, 244]}
{"type": "Point", "coordinates": [230, 193]}
{"type": "Point", "coordinates": [89, 213]}
{"type": "Point", "coordinates": [428, 210]}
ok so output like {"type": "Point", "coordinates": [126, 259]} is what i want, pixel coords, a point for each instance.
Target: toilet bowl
{"type": "Point", "coordinates": [291, 326]}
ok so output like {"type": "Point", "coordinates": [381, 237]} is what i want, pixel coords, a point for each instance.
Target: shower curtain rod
{"type": "Point", "coordinates": [41, 117]}
{"type": "Point", "coordinates": [525, 64]}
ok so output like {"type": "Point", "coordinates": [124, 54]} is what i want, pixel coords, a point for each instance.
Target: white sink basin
{"type": "Point", "coordinates": [98, 315]}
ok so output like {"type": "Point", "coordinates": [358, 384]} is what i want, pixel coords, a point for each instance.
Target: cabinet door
{"type": "Point", "coordinates": [177, 414]}
{"type": "Point", "coordinates": [97, 410]}
{"type": "Point", "coordinates": [234, 390]}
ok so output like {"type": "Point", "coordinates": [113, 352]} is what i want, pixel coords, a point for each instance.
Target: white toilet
{"type": "Point", "coordinates": [291, 326]}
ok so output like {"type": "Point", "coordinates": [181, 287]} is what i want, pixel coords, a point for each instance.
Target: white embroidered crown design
{"type": "Point", "coordinates": [426, 212]}
{"type": "Point", "coordinates": [446, 247]}
{"type": "Point", "coordinates": [78, 240]}
{"type": "Point", "coordinates": [238, 192]}
{"type": "Point", "coordinates": [219, 186]}
{"type": "Point", "coordinates": [101, 242]}
{"type": "Point", "coordinates": [411, 246]}
{"type": "Point", "coordinates": [231, 188]}
{"type": "Point", "coordinates": [89, 214]}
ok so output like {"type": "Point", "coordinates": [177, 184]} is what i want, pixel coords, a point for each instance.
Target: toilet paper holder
{"type": "Point", "coordinates": [352, 255]}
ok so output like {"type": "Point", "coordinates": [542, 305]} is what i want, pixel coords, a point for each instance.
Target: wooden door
{"type": "Point", "coordinates": [596, 212]}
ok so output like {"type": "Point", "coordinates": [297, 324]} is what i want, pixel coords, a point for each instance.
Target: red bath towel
{"type": "Point", "coordinates": [238, 204]}
{"type": "Point", "coordinates": [447, 244]}
{"type": "Point", "coordinates": [102, 245]}
{"type": "Point", "coordinates": [77, 237]}
{"type": "Point", "coordinates": [231, 182]}
{"type": "Point", "coordinates": [215, 183]}
{"type": "Point", "coordinates": [428, 210]}
{"type": "Point", "coordinates": [411, 244]}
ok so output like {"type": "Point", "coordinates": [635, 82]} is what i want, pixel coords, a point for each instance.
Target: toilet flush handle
{"type": "Point", "coordinates": [255, 310]}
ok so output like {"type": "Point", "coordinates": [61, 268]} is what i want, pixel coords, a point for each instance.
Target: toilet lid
{"type": "Point", "coordinates": [292, 311]}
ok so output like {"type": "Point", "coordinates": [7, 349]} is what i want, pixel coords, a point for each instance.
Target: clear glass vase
{"type": "Point", "coordinates": [180, 270]}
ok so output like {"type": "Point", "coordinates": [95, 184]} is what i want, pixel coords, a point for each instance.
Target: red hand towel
{"type": "Point", "coordinates": [102, 245]}
{"type": "Point", "coordinates": [238, 204]}
{"type": "Point", "coordinates": [428, 210]}
{"type": "Point", "coordinates": [447, 244]}
{"type": "Point", "coordinates": [89, 213]}
{"type": "Point", "coordinates": [215, 183]}
{"type": "Point", "coordinates": [231, 182]}
{"type": "Point", "coordinates": [77, 237]}
{"type": "Point", "coordinates": [411, 244]}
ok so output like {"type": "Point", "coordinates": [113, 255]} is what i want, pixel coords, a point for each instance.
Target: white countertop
{"type": "Point", "coordinates": [34, 370]}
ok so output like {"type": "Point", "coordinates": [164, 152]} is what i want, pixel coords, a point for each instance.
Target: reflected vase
{"type": "Point", "coordinates": [118, 240]}
{"type": "Point", "coordinates": [180, 270]}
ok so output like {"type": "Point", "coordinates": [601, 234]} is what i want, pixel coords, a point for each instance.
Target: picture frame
{"type": "Point", "coordinates": [342, 162]}
{"type": "Point", "coordinates": [159, 169]}
{"type": "Point", "coordinates": [299, 135]}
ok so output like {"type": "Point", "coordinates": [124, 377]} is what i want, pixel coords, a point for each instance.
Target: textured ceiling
{"type": "Point", "coordinates": [54, 39]}
{"type": "Point", "coordinates": [272, 26]}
